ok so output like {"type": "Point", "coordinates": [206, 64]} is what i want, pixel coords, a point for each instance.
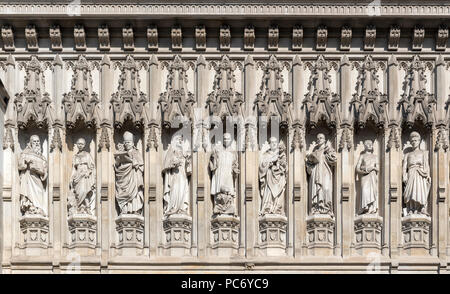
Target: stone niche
{"type": "Point", "coordinates": [177, 228]}
{"type": "Point", "coordinates": [129, 226]}
{"type": "Point", "coordinates": [416, 228]}
{"type": "Point", "coordinates": [35, 228]}
{"type": "Point", "coordinates": [368, 226]}
{"type": "Point", "coordinates": [82, 221]}
{"type": "Point", "coordinates": [320, 227]}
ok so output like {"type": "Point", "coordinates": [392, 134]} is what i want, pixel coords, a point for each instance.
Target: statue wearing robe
{"type": "Point", "coordinates": [416, 176]}
{"type": "Point", "coordinates": [367, 168]}
{"type": "Point", "coordinates": [129, 170]}
{"type": "Point", "coordinates": [224, 167]}
{"type": "Point", "coordinates": [82, 184]}
{"type": "Point", "coordinates": [272, 177]}
{"type": "Point", "coordinates": [177, 168]}
{"type": "Point", "coordinates": [33, 179]}
{"type": "Point", "coordinates": [321, 178]}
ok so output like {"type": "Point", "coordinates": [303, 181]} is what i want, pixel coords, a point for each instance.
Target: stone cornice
{"type": "Point", "coordinates": [106, 9]}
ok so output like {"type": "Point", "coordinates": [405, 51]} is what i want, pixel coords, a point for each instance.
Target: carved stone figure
{"type": "Point", "coordinates": [224, 167]}
{"type": "Point", "coordinates": [33, 179]}
{"type": "Point", "coordinates": [367, 168]}
{"type": "Point", "coordinates": [177, 168]}
{"type": "Point", "coordinates": [272, 177]}
{"type": "Point", "coordinates": [82, 182]}
{"type": "Point", "coordinates": [321, 177]}
{"type": "Point", "coordinates": [129, 169]}
{"type": "Point", "coordinates": [416, 176]}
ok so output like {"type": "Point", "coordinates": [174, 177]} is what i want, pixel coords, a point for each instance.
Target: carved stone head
{"type": "Point", "coordinates": [415, 139]}
{"type": "Point", "coordinates": [227, 139]}
{"type": "Point", "coordinates": [368, 146]}
{"type": "Point", "coordinates": [81, 143]}
{"type": "Point", "coordinates": [35, 144]}
{"type": "Point", "coordinates": [128, 140]}
{"type": "Point", "coordinates": [273, 143]}
{"type": "Point", "coordinates": [320, 139]}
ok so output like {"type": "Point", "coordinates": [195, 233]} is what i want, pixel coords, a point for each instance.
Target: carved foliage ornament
{"type": "Point", "coordinates": [320, 102]}
{"type": "Point", "coordinates": [418, 37]}
{"type": "Point", "coordinates": [418, 104]}
{"type": "Point", "coordinates": [321, 38]}
{"type": "Point", "coordinates": [128, 38]}
{"type": "Point", "coordinates": [224, 101]}
{"type": "Point", "coordinates": [225, 37]}
{"type": "Point", "coordinates": [273, 38]}
{"type": "Point", "coordinates": [128, 102]}
{"type": "Point", "coordinates": [152, 37]}
{"type": "Point", "coordinates": [272, 100]}
{"type": "Point", "coordinates": [368, 101]}
{"type": "Point", "coordinates": [176, 103]}
{"type": "Point", "coordinates": [442, 37]}
{"type": "Point", "coordinates": [370, 37]}
{"type": "Point", "coordinates": [177, 38]}
{"type": "Point", "coordinates": [33, 103]}
{"type": "Point", "coordinates": [80, 103]}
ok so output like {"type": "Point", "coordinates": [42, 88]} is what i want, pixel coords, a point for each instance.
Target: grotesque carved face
{"type": "Point", "coordinates": [227, 139]}
{"type": "Point", "coordinates": [35, 143]}
{"type": "Point", "coordinates": [320, 139]}
{"type": "Point", "coordinates": [128, 141]}
{"type": "Point", "coordinates": [81, 143]}
{"type": "Point", "coordinates": [178, 142]}
{"type": "Point", "coordinates": [273, 143]}
{"type": "Point", "coordinates": [368, 145]}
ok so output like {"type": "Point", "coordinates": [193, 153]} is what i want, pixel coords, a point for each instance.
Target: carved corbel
{"type": "Point", "coordinates": [152, 37]}
{"type": "Point", "coordinates": [346, 140]}
{"type": "Point", "coordinates": [273, 37]}
{"type": "Point", "coordinates": [225, 37]}
{"type": "Point", "coordinates": [79, 36]}
{"type": "Point", "coordinates": [441, 139]}
{"type": "Point", "coordinates": [249, 37]}
{"type": "Point", "coordinates": [8, 38]}
{"type": "Point", "coordinates": [370, 37]}
{"type": "Point", "coordinates": [55, 38]}
{"type": "Point", "coordinates": [346, 38]}
{"type": "Point", "coordinates": [177, 38]}
{"type": "Point", "coordinates": [104, 143]}
{"type": "Point", "coordinates": [394, 37]}
{"type": "Point", "coordinates": [321, 38]}
{"type": "Point", "coordinates": [442, 37]}
{"type": "Point", "coordinates": [31, 38]}
{"type": "Point", "coordinates": [418, 37]}
{"type": "Point", "coordinates": [200, 37]}
{"type": "Point", "coordinates": [103, 38]}
{"type": "Point", "coordinates": [128, 38]}
{"type": "Point", "coordinates": [394, 140]}
{"type": "Point", "coordinates": [298, 138]}
{"type": "Point", "coordinates": [297, 37]}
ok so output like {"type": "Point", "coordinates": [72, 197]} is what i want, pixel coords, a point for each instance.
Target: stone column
{"type": "Point", "coordinates": [441, 148]}
{"type": "Point", "coordinates": [347, 155]}
{"type": "Point", "coordinates": [297, 170]}
{"type": "Point", "coordinates": [105, 174]}
{"type": "Point", "coordinates": [394, 160]}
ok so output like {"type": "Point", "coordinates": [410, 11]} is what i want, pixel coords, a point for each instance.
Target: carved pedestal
{"type": "Point", "coordinates": [272, 234]}
{"type": "Point", "coordinates": [82, 229]}
{"type": "Point", "coordinates": [320, 228]}
{"type": "Point", "coordinates": [225, 235]}
{"type": "Point", "coordinates": [130, 234]}
{"type": "Point", "coordinates": [368, 233]}
{"type": "Point", "coordinates": [35, 234]}
{"type": "Point", "coordinates": [177, 229]}
{"type": "Point", "coordinates": [416, 237]}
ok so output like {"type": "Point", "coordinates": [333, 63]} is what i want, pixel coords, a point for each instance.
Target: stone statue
{"type": "Point", "coordinates": [272, 177]}
{"type": "Point", "coordinates": [82, 182]}
{"type": "Point", "coordinates": [367, 168]}
{"type": "Point", "coordinates": [129, 169]}
{"type": "Point", "coordinates": [224, 167]}
{"type": "Point", "coordinates": [33, 179]}
{"type": "Point", "coordinates": [416, 176]}
{"type": "Point", "coordinates": [321, 177]}
{"type": "Point", "coordinates": [177, 168]}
